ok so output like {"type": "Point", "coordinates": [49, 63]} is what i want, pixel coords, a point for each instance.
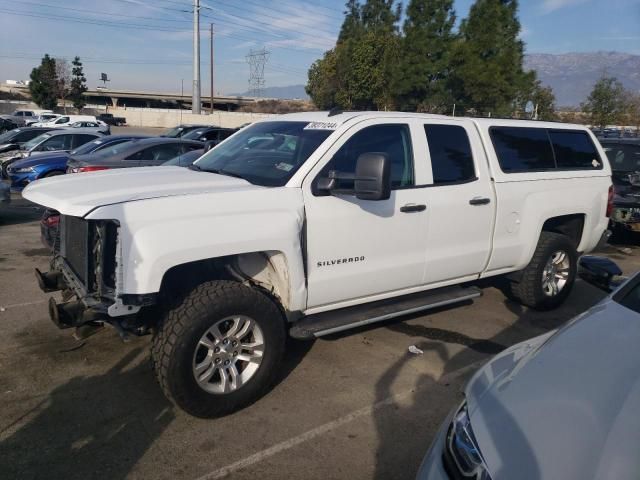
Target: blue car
{"type": "Point", "coordinates": [23, 172]}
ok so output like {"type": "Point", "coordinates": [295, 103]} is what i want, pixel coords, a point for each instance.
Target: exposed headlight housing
{"type": "Point", "coordinates": [462, 456]}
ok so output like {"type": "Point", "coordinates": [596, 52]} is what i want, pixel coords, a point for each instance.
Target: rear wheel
{"type": "Point", "coordinates": [547, 281]}
{"type": "Point", "coordinates": [219, 350]}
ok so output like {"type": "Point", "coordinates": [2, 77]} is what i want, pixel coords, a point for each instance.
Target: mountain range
{"type": "Point", "coordinates": [571, 75]}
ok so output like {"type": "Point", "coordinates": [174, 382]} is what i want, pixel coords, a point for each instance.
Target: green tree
{"type": "Point", "coordinates": [632, 102]}
{"type": "Point", "coordinates": [322, 83]}
{"type": "Point", "coordinates": [544, 101]}
{"type": "Point", "coordinates": [367, 56]}
{"type": "Point", "coordinates": [44, 85]}
{"type": "Point", "coordinates": [78, 85]}
{"type": "Point", "coordinates": [356, 75]}
{"type": "Point", "coordinates": [606, 102]}
{"type": "Point", "coordinates": [488, 75]}
{"type": "Point", "coordinates": [421, 77]}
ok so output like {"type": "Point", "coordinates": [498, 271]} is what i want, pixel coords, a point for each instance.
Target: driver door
{"type": "Point", "coordinates": [358, 249]}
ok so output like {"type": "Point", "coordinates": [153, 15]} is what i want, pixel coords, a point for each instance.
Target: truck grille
{"type": "Point", "coordinates": [74, 245]}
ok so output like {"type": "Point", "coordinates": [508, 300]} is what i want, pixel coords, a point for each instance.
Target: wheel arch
{"type": "Point", "coordinates": [572, 226]}
{"type": "Point", "coordinates": [267, 271]}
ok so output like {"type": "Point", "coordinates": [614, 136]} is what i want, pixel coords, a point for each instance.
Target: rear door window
{"type": "Point", "coordinates": [521, 149]}
{"type": "Point", "coordinates": [574, 150]}
{"type": "Point", "coordinates": [81, 139]}
{"type": "Point", "coordinates": [450, 152]}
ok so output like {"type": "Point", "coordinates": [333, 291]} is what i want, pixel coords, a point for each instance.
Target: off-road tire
{"type": "Point", "coordinates": [528, 290]}
{"type": "Point", "coordinates": [180, 328]}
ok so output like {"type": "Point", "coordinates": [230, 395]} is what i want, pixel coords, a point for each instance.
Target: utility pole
{"type": "Point", "coordinates": [195, 100]}
{"type": "Point", "coordinates": [211, 49]}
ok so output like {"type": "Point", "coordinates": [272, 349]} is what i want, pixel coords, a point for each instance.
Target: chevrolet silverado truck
{"type": "Point", "coordinates": [314, 223]}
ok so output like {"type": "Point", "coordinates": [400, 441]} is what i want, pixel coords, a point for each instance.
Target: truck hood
{"type": "Point", "coordinates": [79, 193]}
{"type": "Point", "coordinates": [563, 405]}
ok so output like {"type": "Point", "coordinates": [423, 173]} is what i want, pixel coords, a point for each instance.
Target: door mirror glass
{"type": "Point", "coordinates": [373, 177]}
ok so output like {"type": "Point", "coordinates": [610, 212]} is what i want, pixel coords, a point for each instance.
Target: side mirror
{"type": "Point", "coordinates": [373, 177]}
{"type": "Point", "coordinates": [600, 272]}
{"type": "Point", "coordinates": [208, 145]}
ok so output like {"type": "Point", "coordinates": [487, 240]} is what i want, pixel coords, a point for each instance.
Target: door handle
{"type": "Point", "coordinates": [479, 201]}
{"type": "Point", "coordinates": [412, 207]}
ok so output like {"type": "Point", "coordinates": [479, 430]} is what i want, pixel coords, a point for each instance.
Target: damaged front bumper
{"type": "Point", "coordinates": [85, 269]}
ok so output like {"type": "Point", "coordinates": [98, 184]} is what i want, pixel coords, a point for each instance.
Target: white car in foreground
{"type": "Point", "coordinates": [313, 223]}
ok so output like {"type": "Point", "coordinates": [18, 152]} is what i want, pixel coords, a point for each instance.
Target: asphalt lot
{"type": "Point", "coordinates": [355, 406]}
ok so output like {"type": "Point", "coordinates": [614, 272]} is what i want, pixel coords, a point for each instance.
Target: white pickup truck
{"type": "Point", "coordinates": [312, 223]}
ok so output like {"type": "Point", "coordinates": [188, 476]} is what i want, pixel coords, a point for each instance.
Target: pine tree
{"type": "Point", "coordinates": [488, 59]}
{"type": "Point", "coordinates": [78, 85]}
{"type": "Point", "coordinates": [421, 78]}
{"type": "Point", "coordinates": [44, 85]}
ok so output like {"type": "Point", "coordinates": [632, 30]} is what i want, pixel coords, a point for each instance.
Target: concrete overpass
{"type": "Point", "coordinates": [131, 98]}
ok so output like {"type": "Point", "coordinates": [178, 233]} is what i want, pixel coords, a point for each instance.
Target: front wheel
{"type": "Point", "coordinates": [547, 281]}
{"type": "Point", "coordinates": [219, 351]}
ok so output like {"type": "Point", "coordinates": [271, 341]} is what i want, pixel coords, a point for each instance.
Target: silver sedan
{"type": "Point", "coordinates": [560, 406]}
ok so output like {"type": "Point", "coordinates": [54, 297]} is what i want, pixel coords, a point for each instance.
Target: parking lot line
{"type": "Point", "coordinates": [327, 427]}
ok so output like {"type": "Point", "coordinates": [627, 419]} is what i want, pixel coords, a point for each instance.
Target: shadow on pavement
{"type": "Point", "coordinates": [405, 429]}
{"type": "Point", "coordinates": [19, 211]}
{"type": "Point", "coordinates": [90, 427]}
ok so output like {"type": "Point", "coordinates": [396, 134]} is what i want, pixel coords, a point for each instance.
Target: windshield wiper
{"type": "Point", "coordinates": [219, 171]}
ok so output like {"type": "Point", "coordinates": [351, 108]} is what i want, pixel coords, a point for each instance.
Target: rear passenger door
{"type": "Point", "coordinates": [460, 203]}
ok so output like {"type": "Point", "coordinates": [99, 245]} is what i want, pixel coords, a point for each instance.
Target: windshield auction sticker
{"type": "Point", "coordinates": [321, 126]}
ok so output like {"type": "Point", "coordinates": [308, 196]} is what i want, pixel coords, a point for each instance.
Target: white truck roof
{"type": "Point", "coordinates": [325, 117]}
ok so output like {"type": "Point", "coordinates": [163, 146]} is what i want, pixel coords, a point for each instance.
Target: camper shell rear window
{"type": "Point", "coordinates": [531, 149]}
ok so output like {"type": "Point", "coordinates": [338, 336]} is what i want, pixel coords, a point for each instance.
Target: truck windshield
{"type": "Point", "coordinates": [266, 153]}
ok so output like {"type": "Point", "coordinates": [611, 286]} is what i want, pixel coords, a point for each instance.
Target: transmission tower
{"type": "Point", "coordinates": [257, 59]}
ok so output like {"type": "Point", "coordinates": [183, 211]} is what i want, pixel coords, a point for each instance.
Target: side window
{"type": "Point", "coordinates": [62, 120]}
{"type": "Point", "coordinates": [187, 147]}
{"type": "Point", "coordinates": [623, 158]}
{"type": "Point", "coordinates": [158, 153]}
{"type": "Point", "coordinates": [81, 139]}
{"type": "Point", "coordinates": [211, 135]}
{"type": "Point", "coordinates": [574, 149]}
{"type": "Point", "coordinates": [393, 140]}
{"type": "Point", "coordinates": [59, 142]}
{"type": "Point", "coordinates": [521, 149]}
{"type": "Point", "coordinates": [224, 134]}
{"type": "Point", "coordinates": [111, 144]}
{"type": "Point", "coordinates": [450, 152]}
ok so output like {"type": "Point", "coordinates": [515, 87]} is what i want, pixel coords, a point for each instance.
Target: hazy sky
{"type": "Point", "coordinates": [147, 44]}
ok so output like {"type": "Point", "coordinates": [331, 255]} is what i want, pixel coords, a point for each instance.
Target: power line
{"type": "Point", "coordinates": [95, 12]}
{"type": "Point", "coordinates": [101, 23]}
{"type": "Point", "coordinates": [289, 20]}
